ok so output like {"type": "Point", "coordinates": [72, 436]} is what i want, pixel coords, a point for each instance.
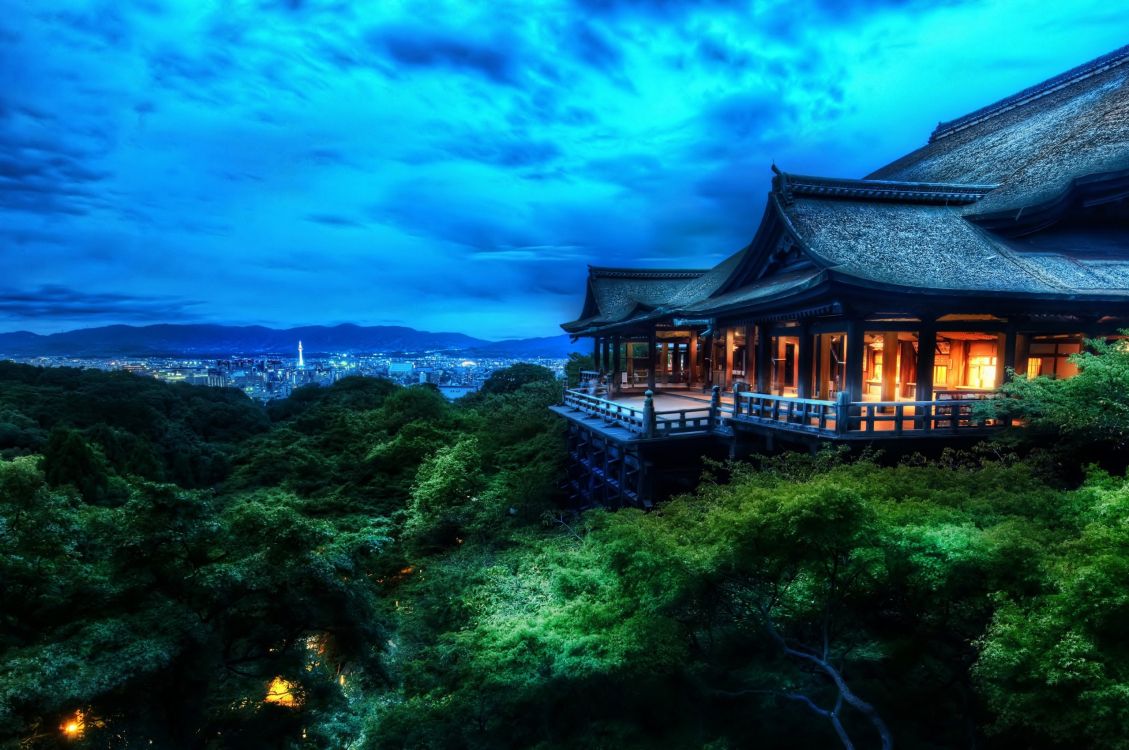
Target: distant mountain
{"type": "Point", "coordinates": [220, 340]}
{"type": "Point", "coordinates": [546, 346]}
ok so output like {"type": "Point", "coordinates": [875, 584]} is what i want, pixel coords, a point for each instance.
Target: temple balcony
{"type": "Point", "coordinates": [680, 412]}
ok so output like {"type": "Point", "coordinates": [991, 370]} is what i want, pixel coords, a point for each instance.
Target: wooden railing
{"type": "Point", "coordinates": [808, 414]}
{"type": "Point", "coordinates": [875, 418]}
{"type": "Point", "coordinates": [897, 417]}
{"type": "Point", "coordinates": [645, 421]}
{"type": "Point", "coordinates": [839, 418]}
{"type": "Point", "coordinates": [681, 421]}
{"type": "Point", "coordinates": [612, 412]}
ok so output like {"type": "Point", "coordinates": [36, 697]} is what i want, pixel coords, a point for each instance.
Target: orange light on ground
{"type": "Point", "coordinates": [282, 692]}
{"type": "Point", "coordinates": [74, 726]}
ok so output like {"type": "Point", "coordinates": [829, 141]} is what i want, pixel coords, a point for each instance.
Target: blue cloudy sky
{"type": "Point", "coordinates": [451, 165]}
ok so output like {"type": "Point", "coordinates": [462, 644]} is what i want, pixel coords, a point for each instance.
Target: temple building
{"type": "Point", "coordinates": [876, 308]}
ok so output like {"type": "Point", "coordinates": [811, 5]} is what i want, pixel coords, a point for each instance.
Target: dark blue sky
{"type": "Point", "coordinates": [451, 166]}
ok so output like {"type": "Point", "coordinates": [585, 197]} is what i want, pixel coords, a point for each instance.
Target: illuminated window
{"type": "Point", "coordinates": [982, 371]}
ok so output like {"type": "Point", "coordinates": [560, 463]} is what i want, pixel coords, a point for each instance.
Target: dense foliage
{"type": "Point", "coordinates": [371, 566]}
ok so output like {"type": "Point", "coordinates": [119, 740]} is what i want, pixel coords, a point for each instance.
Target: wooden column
{"type": "Point", "coordinates": [652, 346]}
{"type": "Point", "coordinates": [1007, 361]}
{"type": "Point", "coordinates": [889, 390]}
{"type": "Point", "coordinates": [749, 359]}
{"type": "Point", "coordinates": [763, 360]}
{"type": "Point", "coordinates": [692, 359]}
{"type": "Point", "coordinates": [664, 362]}
{"type": "Point", "coordinates": [803, 362]}
{"type": "Point", "coordinates": [926, 356]}
{"type": "Point", "coordinates": [855, 333]}
{"type": "Point", "coordinates": [630, 352]}
{"type": "Point", "coordinates": [596, 353]}
{"type": "Point", "coordinates": [606, 362]}
{"type": "Point", "coordinates": [1022, 344]}
{"type": "Point", "coordinates": [676, 363]}
{"type": "Point", "coordinates": [614, 383]}
{"type": "Point", "coordinates": [727, 362]}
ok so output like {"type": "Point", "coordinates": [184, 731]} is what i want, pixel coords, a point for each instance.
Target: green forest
{"type": "Point", "coordinates": [371, 566]}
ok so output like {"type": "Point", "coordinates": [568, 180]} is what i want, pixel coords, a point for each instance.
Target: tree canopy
{"type": "Point", "coordinates": [368, 565]}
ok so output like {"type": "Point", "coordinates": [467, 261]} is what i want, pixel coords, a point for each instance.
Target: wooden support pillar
{"type": "Point", "coordinates": [763, 359]}
{"type": "Point", "coordinates": [596, 353]}
{"type": "Point", "coordinates": [614, 382]}
{"type": "Point", "coordinates": [725, 366]}
{"type": "Point", "coordinates": [676, 363]}
{"type": "Point", "coordinates": [926, 356]}
{"type": "Point", "coordinates": [629, 350]}
{"type": "Point", "coordinates": [803, 362]}
{"type": "Point", "coordinates": [1022, 347]}
{"type": "Point", "coordinates": [652, 345]}
{"type": "Point", "coordinates": [664, 363]}
{"type": "Point", "coordinates": [1007, 357]}
{"type": "Point", "coordinates": [606, 361]}
{"type": "Point", "coordinates": [889, 390]}
{"type": "Point", "coordinates": [750, 363]}
{"type": "Point", "coordinates": [855, 333]}
{"type": "Point", "coordinates": [692, 359]}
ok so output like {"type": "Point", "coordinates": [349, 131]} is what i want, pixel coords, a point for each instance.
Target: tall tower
{"type": "Point", "coordinates": [301, 361]}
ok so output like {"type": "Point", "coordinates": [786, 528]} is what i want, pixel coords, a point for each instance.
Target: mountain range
{"type": "Point", "coordinates": [219, 340]}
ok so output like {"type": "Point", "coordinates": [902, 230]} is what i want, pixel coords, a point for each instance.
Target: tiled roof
{"type": "Point", "coordinates": [912, 224]}
{"type": "Point", "coordinates": [615, 294]}
{"type": "Point", "coordinates": [936, 247]}
{"type": "Point", "coordinates": [1035, 143]}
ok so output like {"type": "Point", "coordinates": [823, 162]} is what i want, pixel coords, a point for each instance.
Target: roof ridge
{"type": "Point", "coordinates": [1039, 90]}
{"type": "Point", "coordinates": [789, 185]}
{"type": "Point", "coordinates": [667, 273]}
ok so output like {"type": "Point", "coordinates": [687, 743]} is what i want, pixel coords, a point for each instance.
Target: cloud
{"type": "Point", "coordinates": [54, 301]}
{"type": "Point", "coordinates": [280, 159]}
{"type": "Point", "coordinates": [415, 47]}
{"type": "Point", "coordinates": [335, 221]}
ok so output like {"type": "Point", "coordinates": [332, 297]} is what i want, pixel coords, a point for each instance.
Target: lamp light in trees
{"type": "Point", "coordinates": [283, 692]}
{"type": "Point", "coordinates": [74, 726]}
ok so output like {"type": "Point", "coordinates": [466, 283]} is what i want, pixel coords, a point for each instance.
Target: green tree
{"type": "Point", "coordinates": [577, 363]}
{"type": "Point", "coordinates": [509, 379]}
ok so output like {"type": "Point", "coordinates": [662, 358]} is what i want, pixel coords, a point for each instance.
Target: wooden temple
{"type": "Point", "coordinates": [871, 309]}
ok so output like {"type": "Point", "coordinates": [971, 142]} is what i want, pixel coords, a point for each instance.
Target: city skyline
{"type": "Point", "coordinates": [291, 163]}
